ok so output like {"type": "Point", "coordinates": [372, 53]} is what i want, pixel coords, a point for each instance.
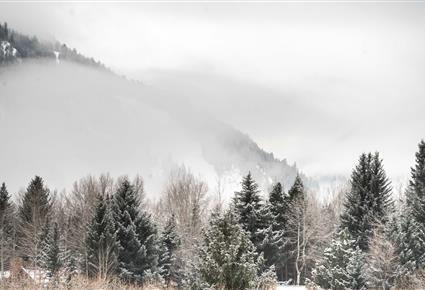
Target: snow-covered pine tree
{"type": "Point", "coordinates": [341, 266]}
{"type": "Point", "coordinates": [369, 200]}
{"type": "Point", "coordinates": [408, 232]}
{"type": "Point", "coordinates": [33, 212]}
{"type": "Point", "coordinates": [415, 195]}
{"type": "Point", "coordinates": [6, 228]}
{"type": "Point", "coordinates": [168, 263]}
{"type": "Point", "coordinates": [227, 254]}
{"type": "Point", "coordinates": [256, 218]}
{"type": "Point", "coordinates": [248, 206]}
{"type": "Point", "coordinates": [102, 245]}
{"type": "Point", "coordinates": [136, 234]}
{"type": "Point", "coordinates": [49, 254]}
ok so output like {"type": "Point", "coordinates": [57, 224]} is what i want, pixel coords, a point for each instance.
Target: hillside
{"type": "Point", "coordinates": [105, 123]}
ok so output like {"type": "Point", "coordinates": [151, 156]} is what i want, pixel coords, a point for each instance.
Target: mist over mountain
{"type": "Point", "coordinates": [66, 120]}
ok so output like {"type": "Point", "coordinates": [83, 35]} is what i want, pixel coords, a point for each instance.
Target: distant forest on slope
{"type": "Point", "coordinates": [15, 46]}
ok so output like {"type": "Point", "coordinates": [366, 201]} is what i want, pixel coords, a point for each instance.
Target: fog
{"type": "Point", "coordinates": [316, 84]}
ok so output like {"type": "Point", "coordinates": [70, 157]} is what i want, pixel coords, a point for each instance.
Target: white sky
{"type": "Point", "coordinates": [316, 83]}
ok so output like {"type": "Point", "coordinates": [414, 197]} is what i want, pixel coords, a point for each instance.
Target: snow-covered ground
{"type": "Point", "coordinates": [291, 288]}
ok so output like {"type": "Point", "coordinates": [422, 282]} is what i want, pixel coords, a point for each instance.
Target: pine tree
{"type": "Point", "coordinates": [102, 245]}
{"type": "Point", "coordinates": [35, 209]}
{"type": "Point", "coordinates": [408, 233]}
{"type": "Point", "coordinates": [227, 254]}
{"type": "Point", "coordinates": [341, 266]}
{"type": "Point", "coordinates": [369, 200]}
{"type": "Point", "coordinates": [415, 196]}
{"type": "Point", "coordinates": [248, 206]}
{"type": "Point", "coordinates": [6, 228]}
{"type": "Point", "coordinates": [168, 262]}
{"type": "Point", "coordinates": [277, 206]}
{"type": "Point", "coordinates": [136, 235]}
{"type": "Point", "coordinates": [49, 254]}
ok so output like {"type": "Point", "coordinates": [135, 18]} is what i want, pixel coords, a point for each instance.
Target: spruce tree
{"type": "Point", "coordinates": [277, 207]}
{"type": "Point", "coordinates": [369, 200]}
{"type": "Point", "coordinates": [168, 262]}
{"type": "Point", "coordinates": [248, 206]}
{"type": "Point", "coordinates": [409, 232]}
{"type": "Point", "coordinates": [49, 255]}
{"type": "Point", "coordinates": [136, 235]}
{"type": "Point", "coordinates": [102, 245]}
{"type": "Point", "coordinates": [227, 254]}
{"type": "Point", "coordinates": [341, 266]}
{"type": "Point", "coordinates": [6, 227]}
{"type": "Point", "coordinates": [415, 196]}
{"type": "Point", "coordinates": [34, 210]}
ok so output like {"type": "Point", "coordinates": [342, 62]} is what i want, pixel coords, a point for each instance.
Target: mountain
{"type": "Point", "coordinates": [65, 120]}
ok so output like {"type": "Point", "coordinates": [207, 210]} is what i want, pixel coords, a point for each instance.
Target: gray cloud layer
{"type": "Point", "coordinates": [314, 83]}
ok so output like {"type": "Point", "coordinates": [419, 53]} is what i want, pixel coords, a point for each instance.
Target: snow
{"type": "Point", "coordinates": [5, 274]}
{"type": "Point", "coordinates": [291, 288]}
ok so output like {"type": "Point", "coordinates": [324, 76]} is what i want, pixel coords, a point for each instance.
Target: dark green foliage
{"type": "Point", "coordinates": [32, 47]}
{"type": "Point", "coordinates": [102, 245]}
{"type": "Point", "coordinates": [36, 204]}
{"type": "Point", "coordinates": [248, 206]}
{"type": "Point", "coordinates": [136, 235]}
{"type": "Point", "coordinates": [408, 232]}
{"type": "Point", "coordinates": [168, 263]}
{"type": "Point", "coordinates": [49, 255]}
{"type": "Point", "coordinates": [6, 227]}
{"type": "Point", "coordinates": [227, 254]}
{"type": "Point", "coordinates": [341, 266]}
{"type": "Point", "coordinates": [416, 190]}
{"type": "Point", "coordinates": [277, 207]}
{"type": "Point", "coordinates": [369, 200]}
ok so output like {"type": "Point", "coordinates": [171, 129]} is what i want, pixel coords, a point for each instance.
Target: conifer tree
{"type": "Point", "coordinates": [341, 267]}
{"type": "Point", "coordinates": [136, 235]}
{"type": "Point", "coordinates": [227, 254]}
{"type": "Point", "coordinates": [49, 255]}
{"type": "Point", "coordinates": [168, 263]}
{"type": "Point", "coordinates": [6, 227]}
{"type": "Point", "coordinates": [33, 213]}
{"type": "Point", "coordinates": [368, 202]}
{"type": "Point", "coordinates": [277, 206]}
{"type": "Point", "coordinates": [102, 245]}
{"type": "Point", "coordinates": [248, 205]}
{"type": "Point", "coordinates": [409, 233]}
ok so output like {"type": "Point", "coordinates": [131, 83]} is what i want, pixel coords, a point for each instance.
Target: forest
{"type": "Point", "coordinates": [104, 231]}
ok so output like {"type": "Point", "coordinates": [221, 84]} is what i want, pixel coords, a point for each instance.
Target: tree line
{"type": "Point", "coordinates": [105, 229]}
{"type": "Point", "coordinates": [31, 47]}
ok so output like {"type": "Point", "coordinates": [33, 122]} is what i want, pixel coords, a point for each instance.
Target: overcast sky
{"type": "Point", "coordinates": [314, 83]}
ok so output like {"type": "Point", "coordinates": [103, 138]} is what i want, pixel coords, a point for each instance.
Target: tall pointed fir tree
{"type": "Point", "coordinates": [369, 200]}
{"type": "Point", "coordinates": [247, 203]}
{"type": "Point", "coordinates": [278, 207]}
{"type": "Point", "coordinates": [102, 244]}
{"type": "Point", "coordinates": [136, 234]}
{"type": "Point", "coordinates": [6, 228]}
{"type": "Point", "coordinates": [409, 232]}
{"type": "Point", "coordinates": [35, 208]}
{"type": "Point", "coordinates": [341, 266]}
{"type": "Point", "coordinates": [49, 253]}
{"type": "Point", "coordinates": [169, 264]}
{"type": "Point", "coordinates": [255, 217]}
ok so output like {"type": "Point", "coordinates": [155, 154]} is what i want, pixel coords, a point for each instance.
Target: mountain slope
{"type": "Point", "coordinates": [64, 120]}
